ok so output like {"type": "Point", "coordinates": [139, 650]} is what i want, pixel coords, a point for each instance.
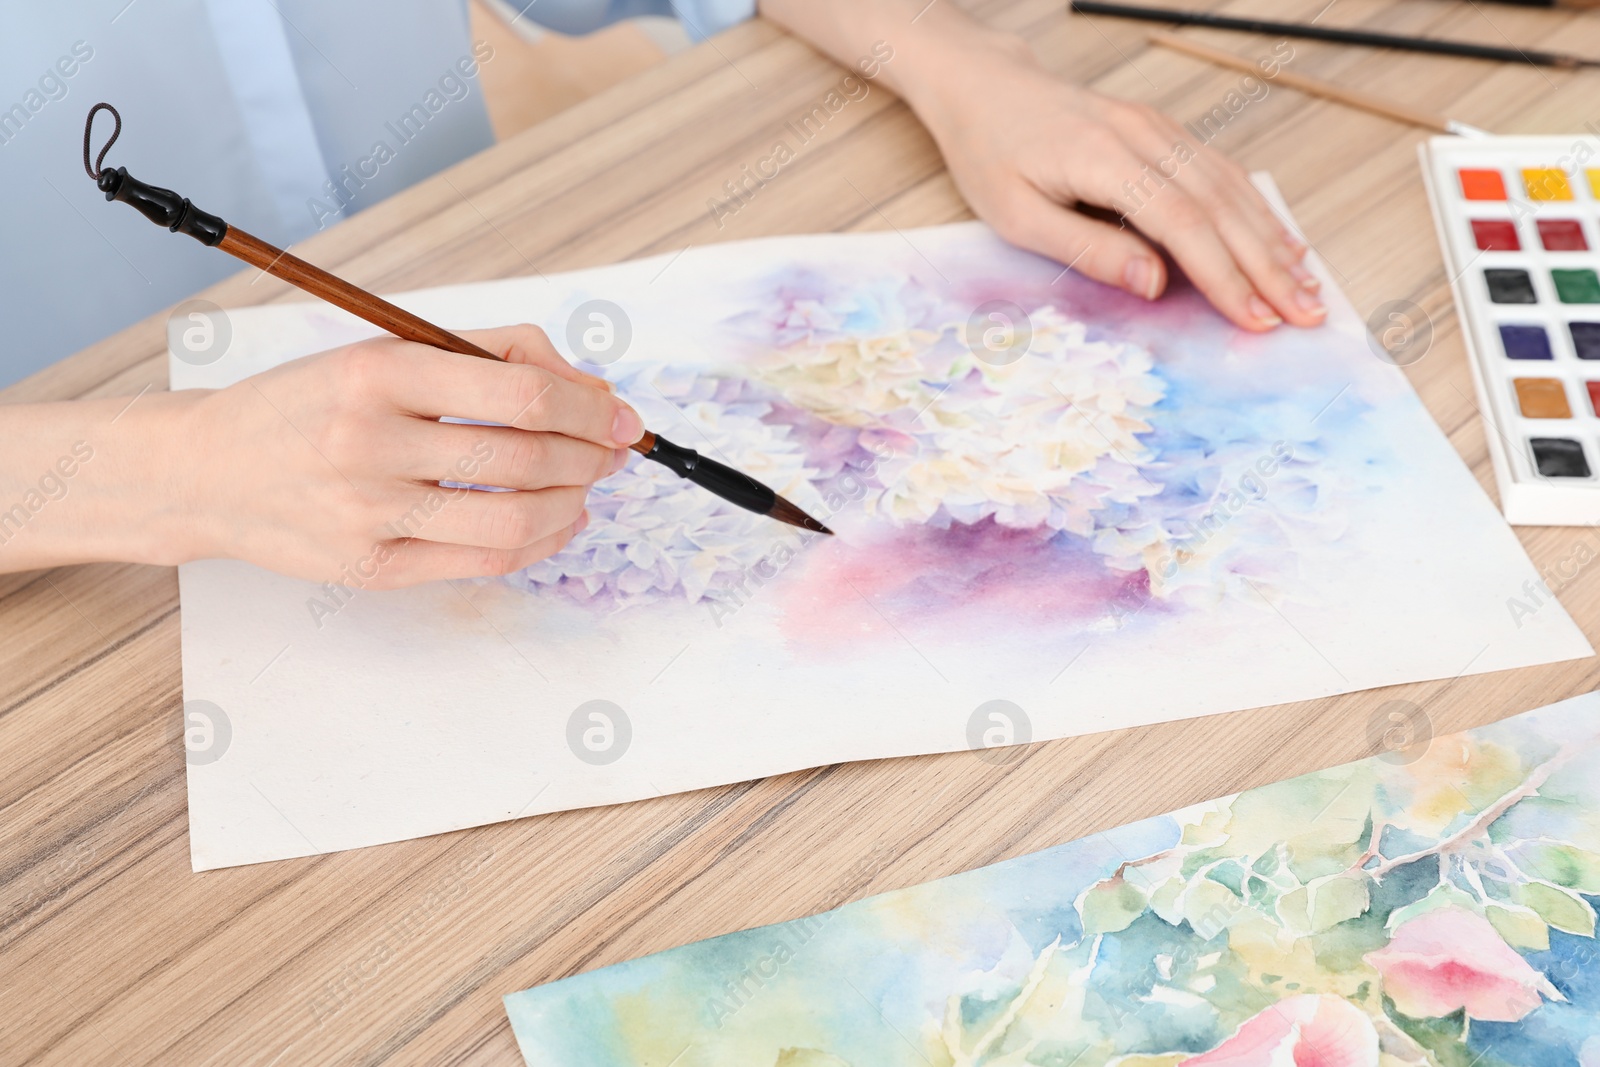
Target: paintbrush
{"type": "Point", "coordinates": [1315, 86]}
{"type": "Point", "coordinates": [1370, 38]}
{"type": "Point", "coordinates": [166, 208]}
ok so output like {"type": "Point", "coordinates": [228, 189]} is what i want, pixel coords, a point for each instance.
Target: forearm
{"type": "Point", "coordinates": [93, 480]}
{"type": "Point", "coordinates": [938, 49]}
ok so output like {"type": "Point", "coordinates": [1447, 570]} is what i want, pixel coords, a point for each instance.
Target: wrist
{"type": "Point", "coordinates": [954, 64]}
{"type": "Point", "coordinates": [161, 460]}
{"type": "Point", "coordinates": [94, 480]}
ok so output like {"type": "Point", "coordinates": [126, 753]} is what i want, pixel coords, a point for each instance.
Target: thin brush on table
{"type": "Point", "coordinates": [1572, 5]}
{"type": "Point", "coordinates": [1433, 45]}
{"type": "Point", "coordinates": [1356, 98]}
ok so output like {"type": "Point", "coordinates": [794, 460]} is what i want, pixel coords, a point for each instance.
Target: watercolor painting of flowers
{"type": "Point", "coordinates": [1041, 488]}
{"type": "Point", "coordinates": [1432, 906]}
{"type": "Point", "coordinates": [1005, 447]}
{"type": "Point", "coordinates": [877, 402]}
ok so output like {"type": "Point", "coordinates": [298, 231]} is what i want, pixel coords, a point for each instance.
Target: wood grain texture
{"type": "Point", "coordinates": [528, 81]}
{"type": "Point", "coordinates": [113, 952]}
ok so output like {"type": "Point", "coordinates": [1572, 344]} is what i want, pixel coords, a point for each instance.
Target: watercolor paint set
{"type": "Point", "coordinates": [1519, 219]}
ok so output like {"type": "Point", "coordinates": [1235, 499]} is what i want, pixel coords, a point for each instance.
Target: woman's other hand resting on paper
{"type": "Point", "coordinates": [1024, 147]}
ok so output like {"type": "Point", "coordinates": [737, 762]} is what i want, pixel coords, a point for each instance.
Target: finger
{"type": "Point", "coordinates": [1191, 229]}
{"type": "Point", "coordinates": [1214, 178]}
{"type": "Point", "coordinates": [1272, 280]}
{"type": "Point", "coordinates": [496, 455]}
{"type": "Point", "coordinates": [1250, 233]}
{"type": "Point", "coordinates": [526, 343]}
{"type": "Point", "coordinates": [1273, 230]}
{"type": "Point", "coordinates": [1276, 223]}
{"type": "Point", "coordinates": [486, 519]}
{"type": "Point", "coordinates": [414, 562]}
{"type": "Point", "coordinates": [1095, 249]}
{"type": "Point", "coordinates": [1175, 219]}
{"type": "Point", "coordinates": [433, 384]}
{"type": "Point", "coordinates": [1286, 247]}
{"type": "Point", "coordinates": [1192, 238]}
{"type": "Point", "coordinates": [1296, 246]}
{"type": "Point", "coordinates": [1164, 150]}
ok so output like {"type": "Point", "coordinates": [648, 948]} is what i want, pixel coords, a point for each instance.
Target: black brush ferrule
{"type": "Point", "coordinates": [718, 478]}
{"type": "Point", "coordinates": [162, 206]}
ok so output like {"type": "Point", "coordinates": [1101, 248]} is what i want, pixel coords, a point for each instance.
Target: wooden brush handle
{"type": "Point", "coordinates": [340, 293]}
{"type": "Point", "coordinates": [360, 303]}
{"type": "Point", "coordinates": [1353, 97]}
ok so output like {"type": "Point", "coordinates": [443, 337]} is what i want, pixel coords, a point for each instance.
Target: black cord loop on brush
{"type": "Point", "coordinates": [161, 206]}
{"type": "Point", "coordinates": [88, 129]}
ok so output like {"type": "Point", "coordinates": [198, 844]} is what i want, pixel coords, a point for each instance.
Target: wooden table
{"type": "Point", "coordinates": [112, 951]}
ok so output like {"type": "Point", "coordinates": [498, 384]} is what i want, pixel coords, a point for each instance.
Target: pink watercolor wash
{"type": "Point", "coordinates": [1448, 959]}
{"type": "Point", "coordinates": [1311, 1030]}
{"type": "Point", "coordinates": [988, 575]}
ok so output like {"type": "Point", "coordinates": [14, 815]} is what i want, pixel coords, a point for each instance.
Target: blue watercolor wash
{"type": "Point", "coordinates": [1553, 1035]}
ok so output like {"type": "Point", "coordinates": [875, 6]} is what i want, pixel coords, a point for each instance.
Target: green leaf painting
{"type": "Point", "coordinates": [1434, 911]}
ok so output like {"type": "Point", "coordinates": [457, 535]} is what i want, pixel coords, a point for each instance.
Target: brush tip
{"type": "Point", "coordinates": [784, 511]}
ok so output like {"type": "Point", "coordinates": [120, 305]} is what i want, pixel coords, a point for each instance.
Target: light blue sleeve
{"type": "Point", "coordinates": [74, 268]}
{"type": "Point", "coordinates": [280, 117]}
{"type": "Point", "coordinates": [700, 18]}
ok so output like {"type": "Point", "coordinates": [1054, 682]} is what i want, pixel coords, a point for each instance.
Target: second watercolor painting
{"type": "Point", "coordinates": [1059, 510]}
{"type": "Point", "coordinates": [1433, 906]}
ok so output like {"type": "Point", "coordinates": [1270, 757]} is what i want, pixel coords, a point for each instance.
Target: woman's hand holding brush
{"type": "Point", "coordinates": [327, 467]}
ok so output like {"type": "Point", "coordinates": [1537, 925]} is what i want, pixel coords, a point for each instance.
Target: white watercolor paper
{"type": "Point", "coordinates": [1146, 515]}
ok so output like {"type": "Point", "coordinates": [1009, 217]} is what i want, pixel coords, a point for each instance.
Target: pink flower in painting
{"type": "Point", "coordinates": [1311, 1030]}
{"type": "Point", "coordinates": [1450, 958]}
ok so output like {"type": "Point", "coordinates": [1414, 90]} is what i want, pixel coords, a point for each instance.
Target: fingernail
{"type": "Point", "coordinates": [1262, 311]}
{"type": "Point", "coordinates": [1309, 302]}
{"type": "Point", "coordinates": [1293, 241]}
{"type": "Point", "coordinates": [627, 427]}
{"type": "Point", "coordinates": [619, 459]}
{"type": "Point", "coordinates": [1306, 279]}
{"type": "Point", "coordinates": [1140, 277]}
{"type": "Point", "coordinates": [581, 525]}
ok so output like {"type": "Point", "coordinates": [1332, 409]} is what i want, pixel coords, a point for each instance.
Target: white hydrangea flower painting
{"type": "Point", "coordinates": [1087, 454]}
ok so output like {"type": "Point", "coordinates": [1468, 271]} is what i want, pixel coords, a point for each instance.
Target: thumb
{"type": "Point", "coordinates": [1111, 254]}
